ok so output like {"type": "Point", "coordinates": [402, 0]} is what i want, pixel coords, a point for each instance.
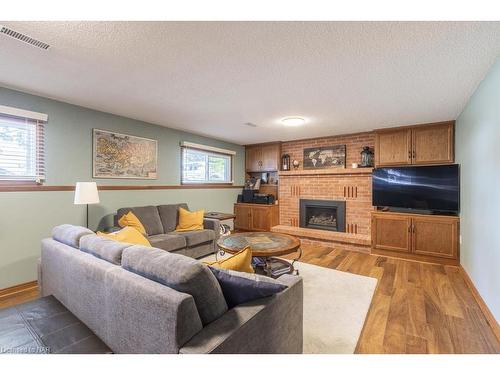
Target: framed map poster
{"type": "Point", "coordinates": [324, 157]}
{"type": "Point", "coordinates": [118, 155]}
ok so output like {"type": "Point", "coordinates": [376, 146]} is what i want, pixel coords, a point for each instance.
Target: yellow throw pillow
{"type": "Point", "coordinates": [127, 234]}
{"type": "Point", "coordinates": [190, 220]}
{"type": "Point", "coordinates": [241, 261]}
{"type": "Point", "coordinates": [130, 220]}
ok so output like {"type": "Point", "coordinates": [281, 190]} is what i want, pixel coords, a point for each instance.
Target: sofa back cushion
{"type": "Point", "coordinates": [148, 215]}
{"type": "Point", "coordinates": [169, 214]}
{"type": "Point", "coordinates": [181, 273]}
{"type": "Point", "coordinates": [103, 248]}
{"type": "Point", "coordinates": [70, 234]}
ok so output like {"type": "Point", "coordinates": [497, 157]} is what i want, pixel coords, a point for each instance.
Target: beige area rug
{"type": "Point", "coordinates": [335, 307]}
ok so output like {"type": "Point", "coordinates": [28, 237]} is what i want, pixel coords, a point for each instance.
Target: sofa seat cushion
{"type": "Point", "coordinates": [103, 248]}
{"type": "Point", "coordinates": [181, 273]}
{"type": "Point", "coordinates": [168, 242]}
{"type": "Point", "coordinates": [70, 234]}
{"type": "Point", "coordinates": [169, 214]}
{"type": "Point", "coordinates": [197, 252]}
{"type": "Point", "coordinates": [147, 215]}
{"type": "Point", "coordinates": [197, 237]}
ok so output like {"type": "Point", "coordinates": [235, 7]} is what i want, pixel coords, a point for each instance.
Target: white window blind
{"type": "Point", "coordinates": [204, 166]}
{"type": "Point", "coordinates": [22, 151]}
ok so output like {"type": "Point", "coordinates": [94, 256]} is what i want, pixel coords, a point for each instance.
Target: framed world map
{"type": "Point", "coordinates": [324, 157]}
{"type": "Point", "coordinates": [118, 155]}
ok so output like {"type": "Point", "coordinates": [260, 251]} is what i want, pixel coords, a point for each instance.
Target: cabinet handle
{"type": "Point", "coordinates": [409, 228]}
{"type": "Point", "coordinates": [414, 154]}
{"type": "Point", "coordinates": [409, 154]}
{"type": "Point", "coordinates": [413, 228]}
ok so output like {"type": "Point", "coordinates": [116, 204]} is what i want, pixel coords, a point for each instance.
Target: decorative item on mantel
{"type": "Point", "coordinates": [324, 157]}
{"type": "Point", "coordinates": [366, 157]}
{"type": "Point", "coordinates": [285, 162]}
{"type": "Point", "coordinates": [295, 164]}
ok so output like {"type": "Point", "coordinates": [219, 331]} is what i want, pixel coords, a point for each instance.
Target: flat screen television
{"type": "Point", "coordinates": [430, 189]}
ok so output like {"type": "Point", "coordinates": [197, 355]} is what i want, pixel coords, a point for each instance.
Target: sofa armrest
{"type": "Point", "coordinates": [213, 224]}
{"type": "Point", "coordinates": [268, 325]}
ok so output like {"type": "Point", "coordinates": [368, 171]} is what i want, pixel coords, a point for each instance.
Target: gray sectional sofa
{"type": "Point", "coordinates": [120, 292]}
{"type": "Point", "coordinates": [160, 223]}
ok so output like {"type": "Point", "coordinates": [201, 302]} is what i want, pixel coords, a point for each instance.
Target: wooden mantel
{"type": "Point", "coordinates": [332, 171]}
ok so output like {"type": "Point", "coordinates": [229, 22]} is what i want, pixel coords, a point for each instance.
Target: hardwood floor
{"type": "Point", "coordinates": [417, 307]}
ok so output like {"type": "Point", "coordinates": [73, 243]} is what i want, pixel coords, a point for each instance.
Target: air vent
{"type": "Point", "coordinates": [23, 38]}
{"type": "Point", "coordinates": [250, 124]}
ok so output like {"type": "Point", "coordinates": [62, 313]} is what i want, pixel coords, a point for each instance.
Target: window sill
{"type": "Point", "coordinates": [207, 183]}
{"type": "Point", "coordinates": [19, 183]}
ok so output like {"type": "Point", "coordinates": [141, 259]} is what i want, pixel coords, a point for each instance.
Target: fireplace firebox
{"type": "Point", "coordinates": [322, 214]}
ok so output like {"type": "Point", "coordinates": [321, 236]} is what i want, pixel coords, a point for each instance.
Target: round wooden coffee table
{"type": "Point", "coordinates": [265, 246]}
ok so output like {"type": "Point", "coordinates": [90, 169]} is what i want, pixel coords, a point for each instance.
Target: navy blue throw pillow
{"type": "Point", "coordinates": [239, 287]}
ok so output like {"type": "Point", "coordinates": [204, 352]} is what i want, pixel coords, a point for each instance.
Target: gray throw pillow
{"type": "Point", "coordinates": [240, 287]}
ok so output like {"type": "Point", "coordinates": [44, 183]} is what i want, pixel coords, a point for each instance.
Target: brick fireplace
{"type": "Point", "coordinates": [352, 186]}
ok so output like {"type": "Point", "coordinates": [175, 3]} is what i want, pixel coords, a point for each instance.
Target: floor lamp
{"type": "Point", "coordinates": [86, 193]}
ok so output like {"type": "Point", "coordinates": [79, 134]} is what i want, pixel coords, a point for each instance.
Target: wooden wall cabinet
{"type": "Point", "coordinates": [263, 158]}
{"type": "Point", "coordinates": [393, 147]}
{"type": "Point", "coordinates": [256, 217]}
{"type": "Point", "coordinates": [418, 237]}
{"type": "Point", "coordinates": [418, 145]}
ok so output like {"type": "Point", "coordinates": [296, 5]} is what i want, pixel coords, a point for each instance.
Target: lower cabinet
{"type": "Point", "coordinates": [255, 217]}
{"type": "Point", "coordinates": [424, 237]}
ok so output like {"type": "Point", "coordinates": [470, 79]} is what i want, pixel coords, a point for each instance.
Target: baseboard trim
{"type": "Point", "coordinates": [482, 305]}
{"type": "Point", "coordinates": [18, 289]}
{"type": "Point", "coordinates": [416, 257]}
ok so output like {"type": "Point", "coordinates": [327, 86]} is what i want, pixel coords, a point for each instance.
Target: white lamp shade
{"type": "Point", "coordinates": [86, 193]}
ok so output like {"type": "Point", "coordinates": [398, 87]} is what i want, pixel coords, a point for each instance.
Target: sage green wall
{"type": "Point", "coordinates": [27, 217]}
{"type": "Point", "coordinates": [477, 150]}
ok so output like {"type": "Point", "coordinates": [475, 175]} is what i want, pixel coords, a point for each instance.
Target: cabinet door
{"type": "Point", "coordinates": [270, 157]}
{"type": "Point", "coordinates": [435, 237]}
{"type": "Point", "coordinates": [243, 217]}
{"type": "Point", "coordinates": [260, 218]}
{"type": "Point", "coordinates": [253, 159]}
{"type": "Point", "coordinates": [393, 147]}
{"type": "Point", "coordinates": [391, 232]}
{"type": "Point", "coordinates": [433, 144]}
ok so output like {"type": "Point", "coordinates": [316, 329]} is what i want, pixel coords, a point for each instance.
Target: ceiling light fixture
{"type": "Point", "coordinates": [293, 121]}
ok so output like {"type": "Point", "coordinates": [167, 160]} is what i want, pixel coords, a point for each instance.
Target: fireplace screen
{"type": "Point", "coordinates": [322, 217]}
{"type": "Point", "coordinates": [321, 214]}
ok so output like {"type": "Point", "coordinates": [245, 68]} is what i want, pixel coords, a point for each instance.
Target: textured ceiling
{"type": "Point", "coordinates": [212, 77]}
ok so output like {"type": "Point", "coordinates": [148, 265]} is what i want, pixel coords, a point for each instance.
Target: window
{"type": "Point", "coordinates": [205, 164]}
{"type": "Point", "coordinates": [21, 146]}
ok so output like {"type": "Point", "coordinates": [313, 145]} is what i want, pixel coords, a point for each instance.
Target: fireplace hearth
{"type": "Point", "coordinates": [322, 214]}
